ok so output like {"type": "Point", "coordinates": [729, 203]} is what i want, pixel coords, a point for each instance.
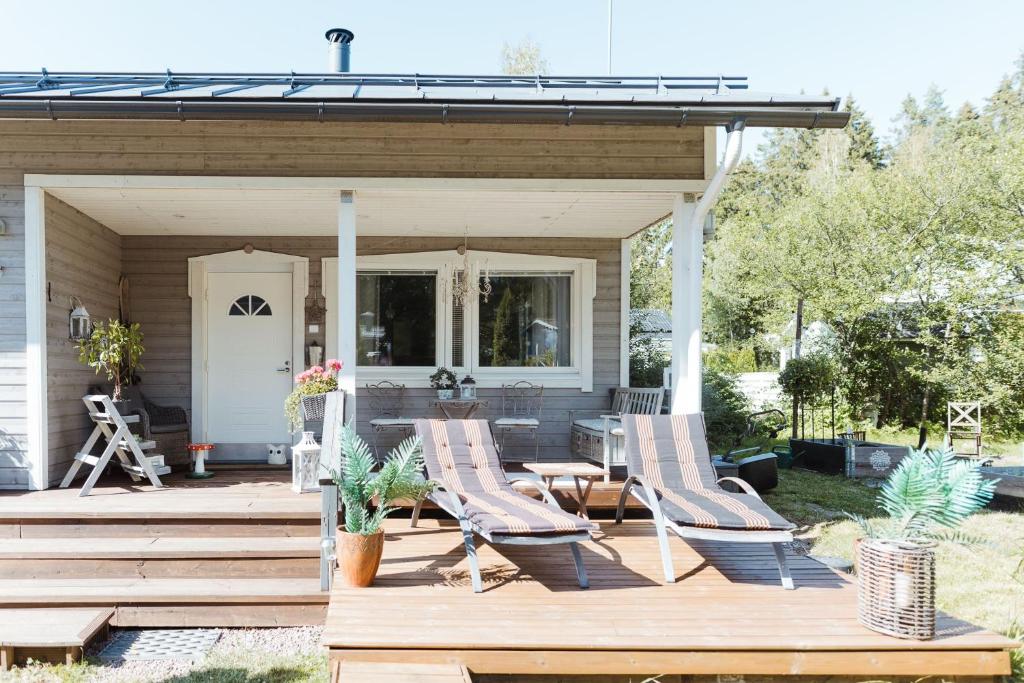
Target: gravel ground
{"type": "Point", "coordinates": [243, 655]}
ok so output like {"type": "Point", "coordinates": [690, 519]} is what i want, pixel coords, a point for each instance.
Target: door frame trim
{"type": "Point", "coordinates": [238, 261]}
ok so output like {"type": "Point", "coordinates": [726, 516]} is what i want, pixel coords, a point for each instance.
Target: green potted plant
{"type": "Point", "coordinates": [361, 540]}
{"type": "Point", "coordinates": [443, 380]}
{"type": "Point", "coordinates": [309, 396]}
{"type": "Point", "coordinates": [925, 499]}
{"type": "Point", "coordinates": [115, 349]}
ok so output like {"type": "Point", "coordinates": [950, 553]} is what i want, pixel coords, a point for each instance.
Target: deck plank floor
{"type": "Point", "coordinates": [233, 494]}
{"type": "Point", "coordinates": [726, 614]}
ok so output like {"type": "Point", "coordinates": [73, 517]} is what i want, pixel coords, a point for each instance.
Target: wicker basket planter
{"type": "Point", "coordinates": [896, 587]}
{"type": "Point", "coordinates": [313, 407]}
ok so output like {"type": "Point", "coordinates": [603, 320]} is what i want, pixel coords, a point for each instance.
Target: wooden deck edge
{"type": "Point", "coordinates": [708, 662]}
{"type": "Point", "coordinates": [223, 615]}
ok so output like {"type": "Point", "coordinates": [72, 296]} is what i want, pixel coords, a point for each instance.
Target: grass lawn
{"type": "Point", "coordinates": [979, 584]}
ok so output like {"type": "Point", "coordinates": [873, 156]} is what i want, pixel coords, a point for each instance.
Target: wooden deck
{"type": "Point", "coordinates": [240, 549]}
{"type": "Point", "coordinates": [727, 614]}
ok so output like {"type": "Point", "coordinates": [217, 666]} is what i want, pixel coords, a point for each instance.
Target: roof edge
{"type": "Point", "coordinates": [711, 114]}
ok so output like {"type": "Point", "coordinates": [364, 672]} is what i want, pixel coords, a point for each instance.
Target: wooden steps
{"type": "Point", "coordinates": [256, 557]}
{"type": "Point", "coordinates": [179, 602]}
{"type": "Point", "coordinates": [54, 635]}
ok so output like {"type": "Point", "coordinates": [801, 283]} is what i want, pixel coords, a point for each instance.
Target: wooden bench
{"type": "Point", "coordinates": [56, 635]}
{"type": "Point", "coordinates": [395, 672]}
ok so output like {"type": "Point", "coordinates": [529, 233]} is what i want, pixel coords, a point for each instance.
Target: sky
{"type": "Point", "coordinates": [879, 51]}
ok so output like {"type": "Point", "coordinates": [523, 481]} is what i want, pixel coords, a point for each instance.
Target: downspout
{"type": "Point", "coordinates": [733, 147]}
{"type": "Point", "coordinates": [687, 372]}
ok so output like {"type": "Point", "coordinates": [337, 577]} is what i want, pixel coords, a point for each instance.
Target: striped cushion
{"type": "Point", "coordinates": [461, 454]}
{"type": "Point", "coordinates": [671, 452]}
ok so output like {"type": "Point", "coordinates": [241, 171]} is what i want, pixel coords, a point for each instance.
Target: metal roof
{"type": "Point", "coordinates": [672, 100]}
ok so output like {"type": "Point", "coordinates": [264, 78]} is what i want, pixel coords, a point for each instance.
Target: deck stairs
{"type": "Point", "coordinates": [167, 572]}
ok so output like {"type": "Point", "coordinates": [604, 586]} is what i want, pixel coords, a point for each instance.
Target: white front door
{"type": "Point", "coordinates": [249, 352]}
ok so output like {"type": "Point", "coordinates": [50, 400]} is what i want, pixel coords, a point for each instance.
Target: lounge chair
{"type": "Point", "coordinates": [463, 463]}
{"type": "Point", "coordinates": [667, 457]}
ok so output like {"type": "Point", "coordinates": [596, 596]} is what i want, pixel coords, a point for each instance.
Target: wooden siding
{"type": "Point", "coordinates": [157, 270]}
{"type": "Point", "coordinates": [83, 259]}
{"type": "Point", "coordinates": [14, 463]}
{"type": "Point", "coordinates": [351, 149]}
{"type": "Point", "coordinates": [254, 148]}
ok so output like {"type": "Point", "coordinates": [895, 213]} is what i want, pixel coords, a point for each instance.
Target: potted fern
{"type": "Point", "coordinates": [361, 540]}
{"type": "Point", "coordinates": [925, 500]}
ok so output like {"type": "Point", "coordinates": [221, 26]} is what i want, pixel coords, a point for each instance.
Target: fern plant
{"type": "Point", "coordinates": [399, 478]}
{"type": "Point", "coordinates": [927, 496]}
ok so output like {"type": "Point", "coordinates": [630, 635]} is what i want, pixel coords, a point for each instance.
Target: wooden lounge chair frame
{"type": "Point", "coordinates": [450, 502]}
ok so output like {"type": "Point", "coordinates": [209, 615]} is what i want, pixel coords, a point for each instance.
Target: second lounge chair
{"type": "Point", "coordinates": [470, 485]}
{"type": "Point", "coordinates": [667, 457]}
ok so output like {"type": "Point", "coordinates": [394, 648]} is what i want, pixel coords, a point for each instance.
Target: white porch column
{"type": "Point", "coordinates": [687, 267]}
{"type": "Point", "coordinates": [35, 337]}
{"type": "Point", "coordinates": [346, 298]}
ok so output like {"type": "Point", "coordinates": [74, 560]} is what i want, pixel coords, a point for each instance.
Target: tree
{"type": "Point", "coordinates": [504, 341]}
{"type": "Point", "coordinates": [523, 59]}
{"type": "Point", "coordinates": [864, 145]}
{"type": "Point", "coordinates": [650, 284]}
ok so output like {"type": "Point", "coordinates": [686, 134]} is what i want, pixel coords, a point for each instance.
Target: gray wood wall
{"type": "Point", "coordinates": [14, 462]}
{"type": "Point", "coordinates": [83, 259]}
{"type": "Point", "coordinates": [157, 270]}
{"type": "Point", "coordinates": [300, 149]}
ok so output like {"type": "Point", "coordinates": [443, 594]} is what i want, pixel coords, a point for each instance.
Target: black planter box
{"type": "Point", "coordinates": [858, 459]}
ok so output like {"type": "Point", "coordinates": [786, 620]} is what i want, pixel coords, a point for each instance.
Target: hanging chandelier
{"type": "Point", "coordinates": [466, 286]}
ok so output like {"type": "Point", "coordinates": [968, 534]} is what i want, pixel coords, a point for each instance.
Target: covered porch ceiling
{"type": "Point", "coordinates": [259, 211]}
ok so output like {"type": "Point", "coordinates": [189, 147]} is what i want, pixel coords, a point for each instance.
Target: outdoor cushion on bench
{"type": "Point", "coordinates": [463, 463]}
{"type": "Point", "coordinates": [668, 461]}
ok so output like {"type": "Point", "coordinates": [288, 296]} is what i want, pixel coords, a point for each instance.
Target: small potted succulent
{"type": "Point", "coordinates": [115, 349]}
{"type": "Point", "coordinates": [361, 540]}
{"type": "Point", "coordinates": [443, 380]}
{"type": "Point", "coordinates": [925, 498]}
{"type": "Point", "coordinates": [310, 393]}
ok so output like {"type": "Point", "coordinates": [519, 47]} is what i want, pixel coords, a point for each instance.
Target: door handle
{"type": "Point", "coordinates": [287, 367]}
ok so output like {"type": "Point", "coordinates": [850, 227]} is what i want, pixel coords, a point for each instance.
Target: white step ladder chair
{"type": "Point", "coordinates": [113, 426]}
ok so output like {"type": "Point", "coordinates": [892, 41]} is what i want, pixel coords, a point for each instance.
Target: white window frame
{"type": "Point", "coordinates": [583, 273]}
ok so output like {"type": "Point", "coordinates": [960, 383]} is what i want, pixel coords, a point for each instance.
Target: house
{"type": "Point", "coordinates": [171, 197]}
{"type": "Point", "coordinates": [399, 223]}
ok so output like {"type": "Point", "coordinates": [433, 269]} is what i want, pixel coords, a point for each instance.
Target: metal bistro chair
{"type": "Point", "coordinates": [386, 401]}
{"type": "Point", "coordinates": [521, 405]}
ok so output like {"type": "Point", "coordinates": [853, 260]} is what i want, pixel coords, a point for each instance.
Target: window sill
{"type": "Point", "coordinates": [486, 378]}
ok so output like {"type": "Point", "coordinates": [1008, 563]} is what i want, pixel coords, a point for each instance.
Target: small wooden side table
{"type": "Point", "coordinates": [579, 471]}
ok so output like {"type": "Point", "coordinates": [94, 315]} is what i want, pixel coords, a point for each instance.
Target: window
{"type": "Point", "coordinates": [250, 304]}
{"type": "Point", "coordinates": [397, 318]}
{"type": "Point", "coordinates": [526, 322]}
{"type": "Point", "coordinates": [536, 324]}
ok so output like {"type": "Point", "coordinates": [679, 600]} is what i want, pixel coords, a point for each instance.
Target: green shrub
{"type": "Point", "coordinates": [647, 362]}
{"type": "Point", "coordinates": [731, 360]}
{"type": "Point", "coordinates": [725, 408]}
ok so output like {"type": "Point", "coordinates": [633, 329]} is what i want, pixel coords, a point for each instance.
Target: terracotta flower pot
{"type": "Point", "coordinates": [358, 558]}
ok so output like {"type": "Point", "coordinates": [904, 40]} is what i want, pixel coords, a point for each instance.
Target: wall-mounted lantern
{"type": "Point", "coordinates": [80, 322]}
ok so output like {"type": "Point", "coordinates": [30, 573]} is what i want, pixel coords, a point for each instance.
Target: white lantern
{"type": "Point", "coordinates": [306, 464]}
{"type": "Point", "coordinates": [467, 388]}
{"type": "Point", "coordinates": [80, 326]}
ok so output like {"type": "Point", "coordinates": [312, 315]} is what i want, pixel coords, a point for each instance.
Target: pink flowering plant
{"type": "Point", "coordinates": [316, 380]}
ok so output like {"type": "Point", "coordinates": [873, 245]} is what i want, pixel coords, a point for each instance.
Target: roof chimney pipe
{"type": "Point", "coordinates": [339, 49]}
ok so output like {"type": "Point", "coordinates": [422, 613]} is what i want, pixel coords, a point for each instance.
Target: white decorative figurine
{"type": "Point", "coordinates": [275, 454]}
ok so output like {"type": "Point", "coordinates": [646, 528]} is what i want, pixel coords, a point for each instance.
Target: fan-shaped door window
{"type": "Point", "coordinates": [250, 304]}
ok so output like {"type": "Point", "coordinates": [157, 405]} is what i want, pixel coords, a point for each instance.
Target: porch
{"type": "Point", "coordinates": [173, 254]}
{"type": "Point", "coordinates": [726, 614]}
